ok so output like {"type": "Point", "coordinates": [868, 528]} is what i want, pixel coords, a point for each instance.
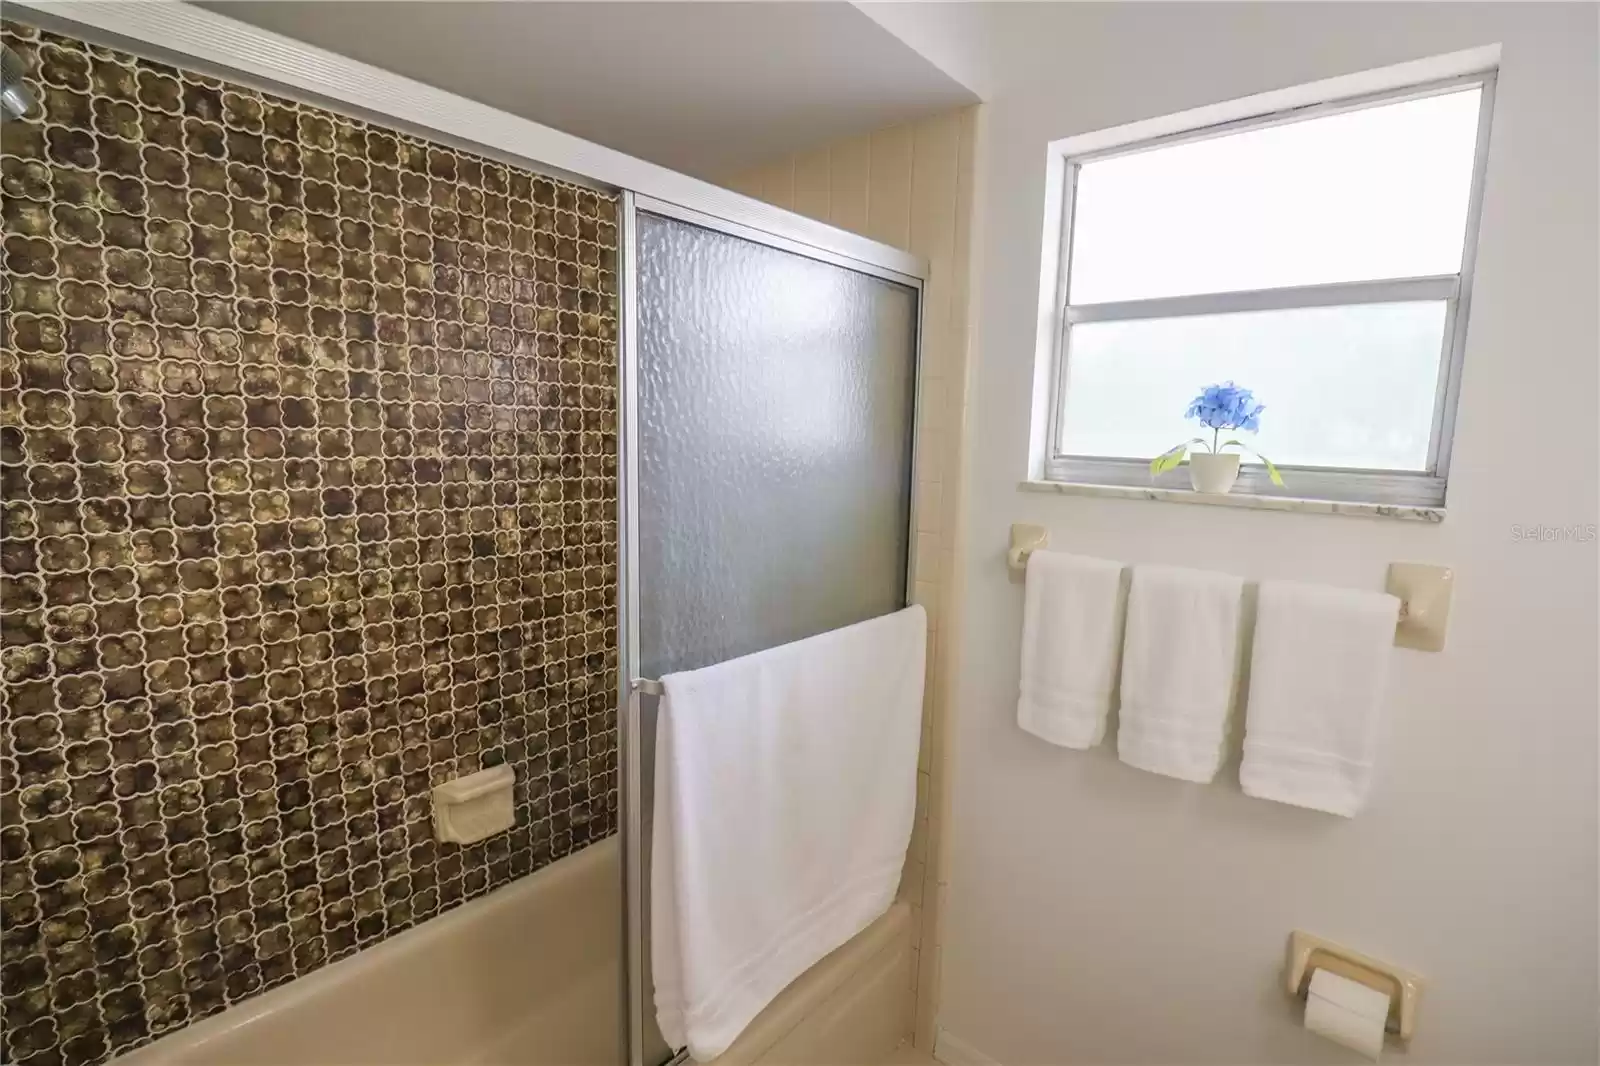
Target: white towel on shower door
{"type": "Point", "coordinates": [785, 793]}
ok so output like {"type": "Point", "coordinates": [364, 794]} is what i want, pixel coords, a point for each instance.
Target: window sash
{"type": "Point", "coordinates": [1336, 294]}
{"type": "Point", "coordinates": [1417, 488]}
{"type": "Point", "coordinates": [1323, 109]}
{"type": "Point", "coordinates": [1349, 485]}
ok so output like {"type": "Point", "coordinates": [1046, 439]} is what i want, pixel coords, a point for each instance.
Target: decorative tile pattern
{"type": "Point", "coordinates": [308, 461]}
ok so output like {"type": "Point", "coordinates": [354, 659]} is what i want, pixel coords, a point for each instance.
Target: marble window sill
{"type": "Point", "coordinates": [1248, 501]}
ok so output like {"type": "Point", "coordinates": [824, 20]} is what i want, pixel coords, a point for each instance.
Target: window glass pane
{"type": "Point", "coordinates": [1348, 386]}
{"type": "Point", "coordinates": [1376, 193]}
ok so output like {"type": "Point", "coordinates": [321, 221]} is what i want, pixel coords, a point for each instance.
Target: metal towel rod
{"type": "Point", "coordinates": [1422, 589]}
{"type": "Point", "coordinates": [646, 686]}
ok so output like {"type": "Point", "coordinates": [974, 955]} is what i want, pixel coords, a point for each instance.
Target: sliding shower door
{"type": "Point", "coordinates": [775, 400]}
{"type": "Point", "coordinates": [769, 397]}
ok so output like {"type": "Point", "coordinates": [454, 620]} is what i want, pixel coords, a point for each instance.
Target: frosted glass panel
{"type": "Point", "coordinates": [1376, 193]}
{"type": "Point", "coordinates": [775, 408]}
{"type": "Point", "coordinates": [1343, 386]}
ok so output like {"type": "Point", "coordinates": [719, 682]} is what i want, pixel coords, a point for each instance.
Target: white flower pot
{"type": "Point", "coordinates": [1213, 473]}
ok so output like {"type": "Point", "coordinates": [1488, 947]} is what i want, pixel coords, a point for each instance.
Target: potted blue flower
{"type": "Point", "coordinates": [1218, 407]}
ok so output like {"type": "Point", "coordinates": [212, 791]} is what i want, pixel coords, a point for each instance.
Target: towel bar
{"type": "Point", "coordinates": [646, 686]}
{"type": "Point", "coordinates": [1423, 590]}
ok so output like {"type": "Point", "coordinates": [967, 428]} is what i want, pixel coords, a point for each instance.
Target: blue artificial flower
{"type": "Point", "coordinates": [1219, 407]}
{"type": "Point", "coordinates": [1226, 406]}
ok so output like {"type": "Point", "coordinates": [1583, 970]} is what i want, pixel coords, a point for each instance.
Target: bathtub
{"type": "Point", "coordinates": [530, 975]}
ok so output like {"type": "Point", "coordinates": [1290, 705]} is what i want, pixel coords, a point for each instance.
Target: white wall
{"type": "Point", "coordinates": [951, 35]}
{"type": "Point", "coordinates": [1085, 896]}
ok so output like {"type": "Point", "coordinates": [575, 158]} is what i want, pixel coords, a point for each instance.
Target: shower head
{"type": "Point", "coordinates": [15, 99]}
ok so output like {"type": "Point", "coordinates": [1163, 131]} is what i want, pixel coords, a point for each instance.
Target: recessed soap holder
{"type": "Point", "coordinates": [471, 808]}
{"type": "Point", "coordinates": [1308, 953]}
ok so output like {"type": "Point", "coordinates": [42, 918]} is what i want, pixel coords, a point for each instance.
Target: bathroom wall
{"type": "Point", "coordinates": [307, 445]}
{"type": "Point", "coordinates": [911, 186]}
{"type": "Point", "coordinates": [1100, 914]}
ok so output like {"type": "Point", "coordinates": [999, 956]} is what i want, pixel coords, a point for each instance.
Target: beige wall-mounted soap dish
{"type": "Point", "coordinates": [474, 807]}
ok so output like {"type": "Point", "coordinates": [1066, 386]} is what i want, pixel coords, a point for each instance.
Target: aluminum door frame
{"type": "Point", "coordinates": [886, 263]}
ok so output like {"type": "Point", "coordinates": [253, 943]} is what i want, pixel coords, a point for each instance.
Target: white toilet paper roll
{"type": "Point", "coordinates": [1347, 1012]}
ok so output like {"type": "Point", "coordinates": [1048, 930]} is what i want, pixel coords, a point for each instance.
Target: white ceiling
{"type": "Point", "coordinates": [704, 88]}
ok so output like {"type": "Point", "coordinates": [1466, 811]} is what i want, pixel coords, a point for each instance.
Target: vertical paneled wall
{"type": "Point", "coordinates": [912, 187]}
{"type": "Point", "coordinates": [307, 448]}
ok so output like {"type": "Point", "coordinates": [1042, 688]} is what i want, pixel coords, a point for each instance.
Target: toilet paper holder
{"type": "Point", "coordinates": [1308, 953]}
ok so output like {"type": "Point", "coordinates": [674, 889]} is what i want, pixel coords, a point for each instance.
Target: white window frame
{"type": "Point", "coordinates": [1397, 487]}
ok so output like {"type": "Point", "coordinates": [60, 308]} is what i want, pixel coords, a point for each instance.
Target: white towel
{"type": "Point", "coordinates": [1317, 676]}
{"type": "Point", "coordinates": [786, 787]}
{"type": "Point", "coordinates": [1070, 635]}
{"type": "Point", "coordinates": [1179, 662]}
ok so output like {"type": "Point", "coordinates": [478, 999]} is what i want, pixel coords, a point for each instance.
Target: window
{"type": "Point", "coordinates": [1319, 256]}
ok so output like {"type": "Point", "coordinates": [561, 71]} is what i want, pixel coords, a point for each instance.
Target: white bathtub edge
{"type": "Point", "coordinates": [530, 974]}
{"type": "Point", "coordinates": [831, 1008]}
{"type": "Point", "coordinates": [592, 866]}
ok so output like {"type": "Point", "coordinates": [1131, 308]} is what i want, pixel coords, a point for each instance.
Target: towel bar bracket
{"type": "Point", "coordinates": [1424, 594]}
{"type": "Point", "coordinates": [646, 686]}
{"type": "Point", "coordinates": [1025, 540]}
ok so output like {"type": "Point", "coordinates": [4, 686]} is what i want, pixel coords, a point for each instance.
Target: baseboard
{"type": "Point", "coordinates": [953, 1051]}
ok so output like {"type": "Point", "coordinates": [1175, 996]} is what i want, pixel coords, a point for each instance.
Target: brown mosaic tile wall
{"type": "Point", "coordinates": [307, 453]}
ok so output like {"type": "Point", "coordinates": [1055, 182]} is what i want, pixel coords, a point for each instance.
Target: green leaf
{"type": "Point", "coordinates": [1167, 460]}
{"type": "Point", "coordinates": [1170, 459]}
{"type": "Point", "coordinates": [1272, 471]}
